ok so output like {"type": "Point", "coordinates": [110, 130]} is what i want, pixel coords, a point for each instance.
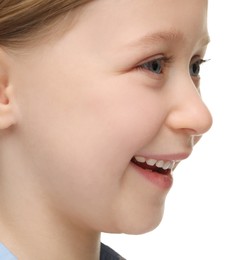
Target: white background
{"type": "Point", "coordinates": [201, 220]}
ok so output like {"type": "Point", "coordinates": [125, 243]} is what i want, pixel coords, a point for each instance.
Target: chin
{"type": "Point", "coordinates": [143, 228]}
{"type": "Point", "coordinates": [137, 225]}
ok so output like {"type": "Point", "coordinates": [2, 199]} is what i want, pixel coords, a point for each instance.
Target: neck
{"type": "Point", "coordinates": [32, 229]}
{"type": "Point", "coordinates": [31, 232]}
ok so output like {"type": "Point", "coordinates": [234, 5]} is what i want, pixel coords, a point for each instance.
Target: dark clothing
{"type": "Point", "coordinates": [106, 253]}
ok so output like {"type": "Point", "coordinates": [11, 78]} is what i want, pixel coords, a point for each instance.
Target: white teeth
{"type": "Point", "coordinates": [160, 164]}
{"type": "Point", "coordinates": [166, 165]}
{"type": "Point", "coordinates": [151, 162]}
{"type": "Point", "coordinates": [140, 159]}
{"type": "Point", "coordinates": [172, 165]}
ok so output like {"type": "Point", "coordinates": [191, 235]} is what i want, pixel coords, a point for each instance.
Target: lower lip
{"type": "Point", "coordinates": [160, 180]}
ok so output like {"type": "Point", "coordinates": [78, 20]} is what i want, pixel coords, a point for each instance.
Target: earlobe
{"type": "Point", "coordinates": [7, 117]}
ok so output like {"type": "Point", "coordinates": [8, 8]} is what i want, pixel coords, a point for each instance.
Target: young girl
{"type": "Point", "coordinates": [99, 103]}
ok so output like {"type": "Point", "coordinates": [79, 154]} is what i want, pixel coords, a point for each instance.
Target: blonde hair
{"type": "Point", "coordinates": [21, 21]}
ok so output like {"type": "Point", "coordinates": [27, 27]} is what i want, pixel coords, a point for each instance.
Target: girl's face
{"type": "Point", "coordinates": [122, 82]}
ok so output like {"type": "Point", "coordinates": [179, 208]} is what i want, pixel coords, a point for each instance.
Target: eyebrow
{"type": "Point", "coordinates": [170, 36]}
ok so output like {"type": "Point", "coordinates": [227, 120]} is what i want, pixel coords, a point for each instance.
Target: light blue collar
{"type": "Point", "coordinates": [5, 254]}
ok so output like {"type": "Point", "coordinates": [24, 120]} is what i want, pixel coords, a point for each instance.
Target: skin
{"type": "Point", "coordinates": [75, 111]}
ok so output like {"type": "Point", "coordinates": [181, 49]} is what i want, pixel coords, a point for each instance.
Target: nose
{"type": "Point", "coordinates": [188, 113]}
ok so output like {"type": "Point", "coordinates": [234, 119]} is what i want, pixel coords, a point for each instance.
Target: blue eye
{"type": "Point", "coordinates": [194, 68]}
{"type": "Point", "coordinates": [154, 66]}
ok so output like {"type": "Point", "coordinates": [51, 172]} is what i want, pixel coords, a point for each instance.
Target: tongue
{"type": "Point", "coordinates": [153, 168]}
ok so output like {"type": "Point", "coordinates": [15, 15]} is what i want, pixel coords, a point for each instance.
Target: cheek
{"type": "Point", "coordinates": [80, 138]}
{"type": "Point", "coordinates": [86, 121]}
{"type": "Point", "coordinates": [127, 113]}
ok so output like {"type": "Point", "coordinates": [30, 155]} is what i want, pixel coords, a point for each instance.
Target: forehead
{"type": "Point", "coordinates": [132, 21]}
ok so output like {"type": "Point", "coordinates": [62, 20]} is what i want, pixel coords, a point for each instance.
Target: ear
{"type": "Point", "coordinates": [7, 115]}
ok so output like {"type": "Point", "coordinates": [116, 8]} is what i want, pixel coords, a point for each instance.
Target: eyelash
{"type": "Point", "coordinates": [159, 65]}
{"type": "Point", "coordinates": [198, 63]}
{"type": "Point", "coordinates": [163, 61]}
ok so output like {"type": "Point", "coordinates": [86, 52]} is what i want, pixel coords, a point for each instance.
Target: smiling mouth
{"type": "Point", "coordinates": [160, 167]}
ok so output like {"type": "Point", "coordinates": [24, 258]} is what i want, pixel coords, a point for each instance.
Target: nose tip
{"type": "Point", "coordinates": [190, 115]}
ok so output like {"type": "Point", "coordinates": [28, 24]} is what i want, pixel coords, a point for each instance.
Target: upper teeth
{"type": "Point", "coordinates": [152, 162]}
